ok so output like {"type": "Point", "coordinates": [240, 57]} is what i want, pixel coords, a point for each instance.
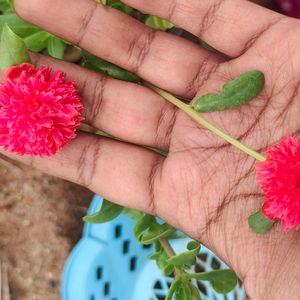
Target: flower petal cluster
{"type": "Point", "coordinates": [279, 177]}
{"type": "Point", "coordinates": [39, 111]}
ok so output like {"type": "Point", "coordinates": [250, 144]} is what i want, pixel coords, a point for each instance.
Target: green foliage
{"type": "Point", "coordinates": [259, 223]}
{"type": "Point", "coordinates": [133, 214]}
{"type": "Point", "coordinates": [108, 212]}
{"type": "Point", "coordinates": [56, 47]}
{"type": "Point", "coordinates": [12, 49]}
{"type": "Point", "coordinates": [20, 27]}
{"type": "Point", "coordinates": [206, 46]}
{"type": "Point", "coordinates": [161, 258]}
{"type": "Point", "coordinates": [158, 23]}
{"type": "Point", "coordinates": [183, 291]}
{"type": "Point", "coordinates": [222, 281]}
{"type": "Point", "coordinates": [119, 6]}
{"type": "Point", "coordinates": [147, 230]}
{"type": "Point", "coordinates": [187, 258]}
{"type": "Point", "coordinates": [160, 152]}
{"type": "Point", "coordinates": [38, 41]}
{"type": "Point", "coordinates": [35, 39]}
{"type": "Point", "coordinates": [195, 293]}
{"type": "Point", "coordinates": [234, 93]}
{"type": "Point", "coordinates": [99, 65]}
{"type": "Point", "coordinates": [6, 6]}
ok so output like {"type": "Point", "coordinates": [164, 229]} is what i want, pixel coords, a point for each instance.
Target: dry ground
{"type": "Point", "coordinates": [40, 221]}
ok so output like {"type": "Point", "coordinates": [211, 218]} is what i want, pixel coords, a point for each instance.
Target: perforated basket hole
{"type": "Point", "coordinates": [92, 297]}
{"type": "Point", "coordinates": [133, 263]}
{"type": "Point", "coordinates": [203, 257]}
{"type": "Point", "coordinates": [202, 288]}
{"type": "Point", "coordinates": [199, 268]}
{"type": "Point", "coordinates": [126, 244]}
{"type": "Point", "coordinates": [159, 290]}
{"type": "Point", "coordinates": [106, 289]}
{"type": "Point", "coordinates": [99, 273]}
{"type": "Point", "coordinates": [118, 231]}
{"type": "Point", "coordinates": [215, 264]}
{"type": "Point", "coordinates": [146, 246]}
{"type": "Point", "coordinates": [157, 285]}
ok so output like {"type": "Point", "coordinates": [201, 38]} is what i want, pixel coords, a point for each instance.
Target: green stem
{"type": "Point", "coordinates": [167, 247]}
{"type": "Point", "coordinates": [172, 290]}
{"type": "Point", "coordinates": [170, 252]}
{"type": "Point", "coordinates": [179, 272]}
{"type": "Point", "coordinates": [188, 109]}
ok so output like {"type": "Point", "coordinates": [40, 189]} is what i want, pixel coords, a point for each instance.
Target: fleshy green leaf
{"type": "Point", "coordinates": [133, 214]}
{"type": "Point", "coordinates": [97, 64]}
{"type": "Point", "coordinates": [222, 281]}
{"type": "Point", "coordinates": [119, 6]}
{"type": "Point", "coordinates": [158, 23]}
{"type": "Point", "coordinates": [195, 293]}
{"type": "Point", "coordinates": [56, 47]}
{"type": "Point", "coordinates": [172, 289]}
{"type": "Point", "coordinates": [155, 232]}
{"type": "Point", "coordinates": [187, 258]}
{"type": "Point", "coordinates": [18, 26]}
{"type": "Point", "coordinates": [6, 6]}
{"type": "Point", "coordinates": [37, 41]}
{"type": "Point", "coordinates": [13, 50]}
{"type": "Point", "coordinates": [259, 223]}
{"type": "Point", "coordinates": [107, 212]}
{"type": "Point", "coordinates": [143, 224]}
{"type": "Point", "coordinates": [235, 93]}
{"type": "Point", "coordinates": [183, 291]}
{"type": "Point", "coordinates": [147, 230]}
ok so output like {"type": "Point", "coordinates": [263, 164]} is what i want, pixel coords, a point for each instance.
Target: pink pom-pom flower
{"type": "Point", "coordinates": [39, 111]}
{"type": "Point", "coordinates": [279, 177]}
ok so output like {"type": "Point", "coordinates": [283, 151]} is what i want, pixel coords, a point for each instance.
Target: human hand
{"type": "Point", "coordinates": [204, 187]}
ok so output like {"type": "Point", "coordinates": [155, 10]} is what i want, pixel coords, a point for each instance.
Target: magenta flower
{"type": "Point", "coordinates": [279, 177]}
{"type": "Point", "coordinates": [290, 7]}
{"type": "Point", "coordinates": [39, 111]}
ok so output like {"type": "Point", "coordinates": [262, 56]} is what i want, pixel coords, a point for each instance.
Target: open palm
{"type": "Point", "coordinates": [204, 187]}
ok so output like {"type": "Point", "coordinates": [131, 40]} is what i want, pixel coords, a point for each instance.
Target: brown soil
{"type": "Point", "coordinates": [40, 221]}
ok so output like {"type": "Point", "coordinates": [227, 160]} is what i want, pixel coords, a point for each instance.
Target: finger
{"type": "Point", "coordinates": [164, 59]}
{"type": "Point", "coordinates": [230, 26]}
{"type": "Point", "coordinates": [120, 172]}
{"type": "Point", "coordinates": [125, 110]}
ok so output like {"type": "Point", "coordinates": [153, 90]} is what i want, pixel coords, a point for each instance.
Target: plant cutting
{"type": "Point", "coordinates": [234, 93]}
{"type": "Point", "coordinates": [39, 114]}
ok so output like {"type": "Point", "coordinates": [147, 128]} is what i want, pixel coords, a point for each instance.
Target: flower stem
{"type": "Point", "coordinates": [188, 109]}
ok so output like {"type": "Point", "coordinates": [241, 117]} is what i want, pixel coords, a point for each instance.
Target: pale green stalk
{"type": "Point", "coordinates": [189, 110]}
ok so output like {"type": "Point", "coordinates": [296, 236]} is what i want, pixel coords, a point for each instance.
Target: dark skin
{"type": "Point", "coordinates": [204, 187]}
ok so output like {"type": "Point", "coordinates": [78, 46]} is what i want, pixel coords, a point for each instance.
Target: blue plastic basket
{"type": "Point", "coordinates": [109, 264]}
